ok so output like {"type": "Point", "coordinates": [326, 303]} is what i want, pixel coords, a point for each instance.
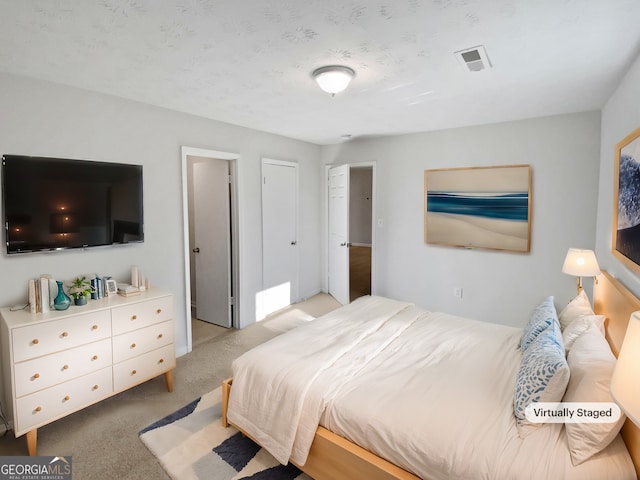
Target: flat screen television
{"type": "Point", "coordinates": [55, 204]}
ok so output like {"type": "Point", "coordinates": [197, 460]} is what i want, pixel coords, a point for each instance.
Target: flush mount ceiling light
{"type": "Point", "coordinates": [333, 78]}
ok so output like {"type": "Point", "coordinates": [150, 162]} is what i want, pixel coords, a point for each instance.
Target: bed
{"type": "Point", "coordinates": [325, 410]}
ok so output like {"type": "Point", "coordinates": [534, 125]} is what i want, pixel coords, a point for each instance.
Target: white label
{"type": "Point", "coordinates": [572, 412]}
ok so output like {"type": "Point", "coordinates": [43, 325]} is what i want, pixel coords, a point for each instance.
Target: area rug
{"type": "Point", "coordinates": [191, 444]}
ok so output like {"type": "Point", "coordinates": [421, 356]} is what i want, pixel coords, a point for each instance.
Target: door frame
{"type": "Point", "coordinates": [374, 220]}
{"type": "Point", "coordinates": [233, 158]}
{"type": "Point", "coordinates": [284, 163]}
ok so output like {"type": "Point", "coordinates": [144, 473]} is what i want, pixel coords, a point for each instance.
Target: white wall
{"type": "Point", "coordinates": [497, 286]}
{"type": "Point", "coordinates": [46, 119]}
{"type": "Point", "coordinates": [620, 117]}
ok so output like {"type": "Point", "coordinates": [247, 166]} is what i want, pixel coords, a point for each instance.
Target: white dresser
{"type": "Point", "coordinates": [56, 363]}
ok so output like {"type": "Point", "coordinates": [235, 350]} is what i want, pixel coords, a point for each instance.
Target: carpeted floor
{"type": "Point", "coordinates": [103, 439]}
{"type": "Point", "coordinates": [192, 444]}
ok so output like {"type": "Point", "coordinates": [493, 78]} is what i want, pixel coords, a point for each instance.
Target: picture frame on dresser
{"type": "Point", "coordinates": [110, 287]}
{"type": "Point", "coordinates": [625, 244]}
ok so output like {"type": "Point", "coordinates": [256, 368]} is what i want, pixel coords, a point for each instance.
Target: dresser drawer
{"type": "Point", "coordinates": [42, 372]}
{"type": "Point", "coordinates": [143, 340]}
{"type": "Point", "coordinates": [138, 369]}
{"type": "Point", "coordinates": [43, 338]}
{"type": "Point", "coordinates": [43, 406]}
{"type": "Point", "coordinates": [141, 314]}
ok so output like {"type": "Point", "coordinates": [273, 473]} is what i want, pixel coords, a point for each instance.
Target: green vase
{"type": "Point", "coordinates": [62, 300]}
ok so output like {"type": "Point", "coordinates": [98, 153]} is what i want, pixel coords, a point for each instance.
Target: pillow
{"type": "Point", "coordinates": [542, 377]}
{"type": "Point", "coordinates": [591, 363]}
{"type": "Point", "coordinates": [577, 307]}
{"type": "Point", "coordinates": [541, 318]}
{"type": "Point", "coordinates": [579, 326]}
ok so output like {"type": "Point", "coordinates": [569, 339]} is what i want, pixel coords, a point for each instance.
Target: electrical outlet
{"type": "Point", "coordinates": [457, 292]}
{"type": "Point", "coordinates": [380, 222]}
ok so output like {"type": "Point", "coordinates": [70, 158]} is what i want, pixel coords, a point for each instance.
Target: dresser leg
{"type": "Point", "coordinates": [32, 440]}
{"type": "Point", "coordinates": [168, 378]}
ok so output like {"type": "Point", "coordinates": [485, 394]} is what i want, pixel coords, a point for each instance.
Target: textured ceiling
{"type": "Point", "coordinates": [248, 62]}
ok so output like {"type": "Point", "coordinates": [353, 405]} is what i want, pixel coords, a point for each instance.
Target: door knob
{"type": "Point", "coordinates": [196, 250]}
{"type": "Point", "coordinates": [343, 244]}
{"type": "Point", "coordinates": [294, 242]}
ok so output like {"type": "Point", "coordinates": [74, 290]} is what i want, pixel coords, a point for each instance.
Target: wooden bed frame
{"type": "Point", "coordinates": [334, 458]}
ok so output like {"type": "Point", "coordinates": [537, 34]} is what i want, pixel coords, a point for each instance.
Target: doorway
{"type": "Point", "coordinates": [360, 231]}
{"type": "Point", "coordinates": [350, 213]}
{"type": "Point", "coordinates": [211, 260]}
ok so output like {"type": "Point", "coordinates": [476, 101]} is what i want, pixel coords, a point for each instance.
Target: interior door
{"type": "Point", "coordinates": [212, 245]}
{"type": "Point", "coordinates": [339, 233]}
{"type": "Point", "coordinates": [279, 235]}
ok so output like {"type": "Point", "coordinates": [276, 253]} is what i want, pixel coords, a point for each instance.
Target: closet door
{"type": "Point", "coordinates": [279, 236]}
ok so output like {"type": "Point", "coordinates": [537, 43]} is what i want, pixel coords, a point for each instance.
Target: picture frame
{"type": "Point", "coordinates": [625, 242]}
{"type": "Point", "coordinates": [111, 287]}
{"type": "Point", "coordinates": [479, 207]}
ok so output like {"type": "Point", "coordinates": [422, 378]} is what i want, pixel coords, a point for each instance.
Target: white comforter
{"type": "Point", "coordinates": [430, 392]}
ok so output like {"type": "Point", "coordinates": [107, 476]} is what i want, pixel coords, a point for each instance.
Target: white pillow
{"type": "Point", "coordinates": [541, 318]}
{"type": "Point", "coordinates": [591, 363]}
{"type": "Point", "coordinates": [579, 326]}
{"type": "Point", "coordinates": [577, 307]}
{"type": "Point", "coordinates": [542, 377]}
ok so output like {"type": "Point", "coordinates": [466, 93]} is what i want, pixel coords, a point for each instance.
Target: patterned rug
{"type": "Point", "coordinates": [192, 444]}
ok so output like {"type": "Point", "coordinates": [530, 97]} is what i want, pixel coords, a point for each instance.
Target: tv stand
{"type": "Point", "coordinates": [59, 362]}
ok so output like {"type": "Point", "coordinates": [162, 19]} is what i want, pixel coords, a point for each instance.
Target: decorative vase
{"type": "Point", "coordinates": [62, 300]}
{"type": "Point", "coordinates": [82, 300]}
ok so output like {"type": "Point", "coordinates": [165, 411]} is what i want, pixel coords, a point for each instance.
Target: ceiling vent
{"type": "Point", "coordinates": [474, 59]}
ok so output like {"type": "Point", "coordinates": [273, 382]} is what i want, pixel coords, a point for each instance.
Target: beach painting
{"type": "Point", "coordinates": [479, 207]}
{"type": "Point", "coordinates": [626, 208]}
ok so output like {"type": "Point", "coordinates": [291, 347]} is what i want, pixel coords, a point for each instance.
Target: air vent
{"type": "Point", "coordinates": [474, 59]}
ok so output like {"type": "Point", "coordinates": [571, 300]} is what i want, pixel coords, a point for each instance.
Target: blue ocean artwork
{"type": "Point", "coordinates": [502, 206]}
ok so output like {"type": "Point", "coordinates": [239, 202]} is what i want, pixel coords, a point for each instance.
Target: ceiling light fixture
{"type": "Point", "coordinates": [333, 78]}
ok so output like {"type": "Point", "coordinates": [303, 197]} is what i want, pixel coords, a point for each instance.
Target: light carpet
{"type": "Point", "coordinates": [191, 444]}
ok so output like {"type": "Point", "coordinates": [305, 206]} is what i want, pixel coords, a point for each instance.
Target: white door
{"type": "Point", "coordinates": [339, 233]}
{"type": "Point", "coordinates": [212, 245]}
{"type": "Point", "coordinates": [279, 236]}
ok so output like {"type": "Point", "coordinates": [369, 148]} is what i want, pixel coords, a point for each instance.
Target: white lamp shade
{"type": "Point", "coordinates": [625, 382]}
{"type": "Point", "coordinates": [333, 79]}
{"type": "Point", "coordinates": [581, 263]}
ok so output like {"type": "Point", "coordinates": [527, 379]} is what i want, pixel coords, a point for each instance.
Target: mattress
{"type": "Point", "coordinates": [428, 391]}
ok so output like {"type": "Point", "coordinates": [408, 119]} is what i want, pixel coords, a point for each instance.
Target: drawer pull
{"type": "Point", "coordinates": [161, 360]}
{"type": "Point", "coordinates": [35, 375]}
{"type": "Point", "coordinates": [160, 335]}
{"type": "Point", "coordinates": [38, 408]}
{"type": "Point", "coordinates": [65, 334]}
{"type": "Point", "coordinates": [95, 357]}
{"type": "Point", "coordinates": [65, 367]}
{"type": "Point", "coordinates": [159, 311]}
{"type": "Point", "coordinates": [67, 398]}
{"type": "Point", "coordinates": [133, 372]}
{"type": "Point", "coordinates": [134, 317]}
{"type": "Point", "coordinates": [95, 387]}
{"type": "Point", "coordinates": [133, 345]}
{"type": "Point", "coordinates": [95, 327]}
{"type": "Point", "coordinates": [35, 341]}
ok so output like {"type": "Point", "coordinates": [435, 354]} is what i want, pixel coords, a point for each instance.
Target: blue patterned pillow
{"type": "Point", "coordinates": [542, 317]}
{"type": "Point", "coordinates": [543, 375]}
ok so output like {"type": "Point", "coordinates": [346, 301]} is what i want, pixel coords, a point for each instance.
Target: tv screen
{"type": "Point", "coordinates": [54, 203]}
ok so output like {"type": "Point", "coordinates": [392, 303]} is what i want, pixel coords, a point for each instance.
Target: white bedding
{"type": "Point", "coordinates": [430, 392]}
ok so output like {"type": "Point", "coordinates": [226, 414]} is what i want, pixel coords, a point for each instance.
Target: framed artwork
{"type": "Point", "coordinates": [625, 244]}
{"type": "Point", "coordinates": [111, 287]}
{"type": "Point", "coordinates": [479, 207]}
